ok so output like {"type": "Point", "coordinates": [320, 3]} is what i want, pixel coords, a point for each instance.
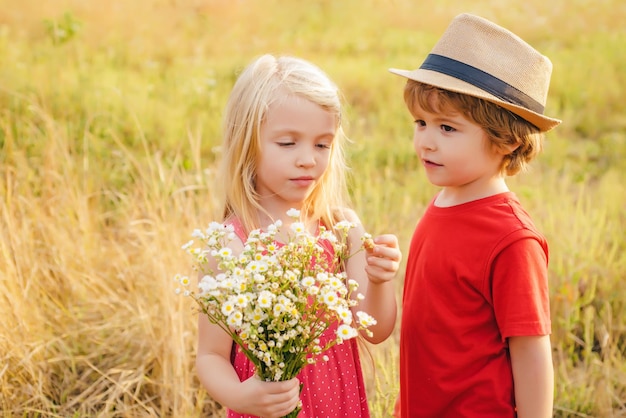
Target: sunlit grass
{"type": "Point", "coordinates": [108, 136]}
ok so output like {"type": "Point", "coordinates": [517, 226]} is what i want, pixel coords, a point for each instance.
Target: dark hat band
{"type": "Point", "coordinates": [482, 80]}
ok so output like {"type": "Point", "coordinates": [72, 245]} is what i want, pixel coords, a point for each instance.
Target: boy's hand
{"type": "Point", "coordinates": [383, 258]}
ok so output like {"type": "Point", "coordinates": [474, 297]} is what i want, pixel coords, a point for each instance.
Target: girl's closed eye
{"type": "Point", "coordinates": [285, 143]}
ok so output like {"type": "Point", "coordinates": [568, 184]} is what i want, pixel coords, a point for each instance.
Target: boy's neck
{"type": "Point", "coordinates": [453, 196]}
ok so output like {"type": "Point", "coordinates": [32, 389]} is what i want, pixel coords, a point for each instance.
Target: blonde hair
{"type": "Point", "coordinates": [255, 89]}
{"type": "Point", "coordinates": [503, 128]}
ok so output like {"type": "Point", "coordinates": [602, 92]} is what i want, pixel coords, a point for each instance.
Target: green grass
{"type": "Point", "coordinates": [109, 126]}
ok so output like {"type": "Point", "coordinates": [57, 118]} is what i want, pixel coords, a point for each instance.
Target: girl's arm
{"type": "Point", "coordinates": [533, 375]}
{"type": "Point", "coordinates": [374, 270]}
{"type": "Point", "coordinates": [217, 375]}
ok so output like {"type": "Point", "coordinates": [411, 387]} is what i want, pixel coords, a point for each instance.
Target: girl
{"type": "Point", "coordinates": [283, 149]}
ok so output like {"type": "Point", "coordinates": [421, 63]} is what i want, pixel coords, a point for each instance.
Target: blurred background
{"type": "Point", "coordinates": [110, 119]}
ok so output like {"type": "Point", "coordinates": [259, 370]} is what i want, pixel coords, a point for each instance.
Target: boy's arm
{"type": "Point", "coordinates": [533, 375]}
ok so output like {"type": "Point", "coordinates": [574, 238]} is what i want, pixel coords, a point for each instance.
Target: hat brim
{"type": "Point", "coordinates": [434, 78]}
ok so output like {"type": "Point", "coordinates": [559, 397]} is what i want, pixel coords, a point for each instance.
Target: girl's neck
{"type": "Point", "coordinates": [285, 232]}
{"type": "Point", "coordinates": [266, 219]}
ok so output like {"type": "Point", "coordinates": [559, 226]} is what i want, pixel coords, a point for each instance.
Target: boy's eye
{"type": "Point", "coordinates": [420, 122]}
{"type": "Point", "coordinates": [447, 128]}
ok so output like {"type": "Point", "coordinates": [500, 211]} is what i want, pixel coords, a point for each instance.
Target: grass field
{"type": "Point", "coordinates": [109, 132]}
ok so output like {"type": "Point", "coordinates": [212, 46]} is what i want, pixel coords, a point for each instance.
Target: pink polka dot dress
{"type": "Point", "coordinates": [332, 388]}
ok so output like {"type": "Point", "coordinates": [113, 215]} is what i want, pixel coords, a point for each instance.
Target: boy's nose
{"type": "Point", "coordinates": [423, 140]}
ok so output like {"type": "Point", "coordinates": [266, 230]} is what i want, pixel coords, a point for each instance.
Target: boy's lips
{"type": "Point", "coordinates": [430, 163]}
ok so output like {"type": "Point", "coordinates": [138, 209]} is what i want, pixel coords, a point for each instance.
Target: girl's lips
{"type": "Point", "coordinates": [303, 181]}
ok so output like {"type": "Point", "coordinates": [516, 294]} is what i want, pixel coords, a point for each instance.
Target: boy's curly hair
{"type": "Point", "coordinates": [503, 128]}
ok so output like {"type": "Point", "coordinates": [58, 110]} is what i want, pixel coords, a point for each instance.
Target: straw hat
{"type": "Point", "coordinates": [477, 57]}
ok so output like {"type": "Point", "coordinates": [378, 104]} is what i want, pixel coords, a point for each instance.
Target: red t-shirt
{"type": "Point", "coordinates": [476, 274]}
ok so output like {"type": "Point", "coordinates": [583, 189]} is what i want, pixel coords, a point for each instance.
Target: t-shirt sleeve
{"type": "Point", "coordinates": [520, 289]}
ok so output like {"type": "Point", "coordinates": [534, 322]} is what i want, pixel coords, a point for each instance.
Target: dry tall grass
{"type": "Point", "coordinates": [109, 119]}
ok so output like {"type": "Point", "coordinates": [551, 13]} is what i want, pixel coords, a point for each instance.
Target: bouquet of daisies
{"type": "Point", "coordinates": [276, 299]}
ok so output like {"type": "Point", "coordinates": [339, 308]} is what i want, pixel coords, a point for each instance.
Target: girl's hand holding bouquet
{"type": "Point", "coordinates": [276, 299]}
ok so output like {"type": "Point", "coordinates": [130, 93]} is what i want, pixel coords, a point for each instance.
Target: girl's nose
{"type": "Point", "coordinates": [306, 160]}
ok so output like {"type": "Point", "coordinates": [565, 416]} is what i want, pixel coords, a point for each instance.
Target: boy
{"type": "Point", "coordinates": [476, 318]}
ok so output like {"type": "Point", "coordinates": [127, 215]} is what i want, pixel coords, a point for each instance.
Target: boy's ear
{"type": "Point", "coordinates": [508, 148]}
